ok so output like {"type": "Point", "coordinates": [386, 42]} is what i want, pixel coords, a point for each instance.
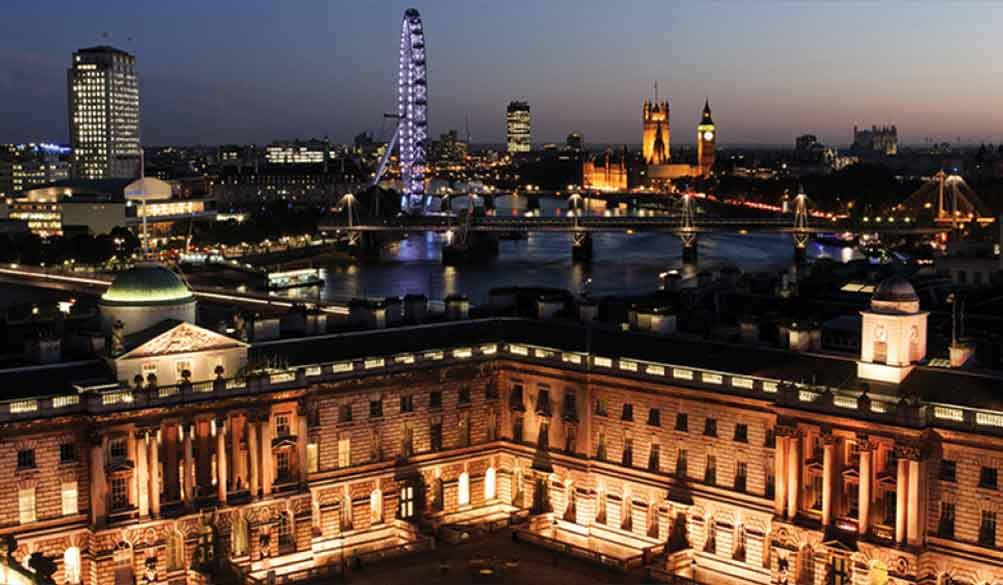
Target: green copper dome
{"type": "Point", "coordinates": [146, 284]}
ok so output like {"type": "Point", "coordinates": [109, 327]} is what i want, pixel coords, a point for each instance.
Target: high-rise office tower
{"type": "Point", "coordinates": [104, 113]}
{"type": "Point", "coordinates": [518, 127]}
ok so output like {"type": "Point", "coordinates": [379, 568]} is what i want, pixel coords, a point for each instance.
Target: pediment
{"type": "Point", "coordinates": [181, 338]}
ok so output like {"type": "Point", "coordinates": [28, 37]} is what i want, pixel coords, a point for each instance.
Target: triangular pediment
{"type": "Point", "coordinates": [182, 337]}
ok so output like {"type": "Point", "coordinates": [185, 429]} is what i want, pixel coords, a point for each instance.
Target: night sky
{"type": "Point", "coordinates": [260, 70]}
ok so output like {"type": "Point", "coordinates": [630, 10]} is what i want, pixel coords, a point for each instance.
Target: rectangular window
{"type": "Point", "coordinates": [948, 470]}
{"type": "Point", "coordinates": [491, 392]}
{"type": "Point", "coordinates": [26, 459]}
{"type": "Point", "coordinates": [890, 504]}
{"type": "Point", "coordinates": [180, 368]}
{"type": "Point", "coordinates": [543, 438]}
{"type": "Point", "coordinates": [543, 402]}
{"type": "Point", "coordinates": [516, 401]}
{"type": "Point", "coordinates": [282, 427]}
{"type": "Point", "coordinates": [741, 476]}
{"type": "Point", "coordinates": [771, 439]}
{"type": "Point", "coordinates": [119, 493]}
{"type": "Point", "coordinates": [435, 399]}
{"type": "Point", "coordinates": [681, 464]}
{"type": "Point", "coordinates": [710, 471]}
{"type": "Point", "coordinates": [987, 529]}
{"type": "Point", "coordinates": [117, 449]}
{"type": "Point", "coordinates": [601, 447]}
{"type": "Point", "coordinates": [602, 407]}
{"type": "Point", "coordinates": [742, 433]}
{"type": "Point", "coordinates": [570, 437]}
{"type": "Point", "coordinates": [682, 422]}
{"type": "Point", "coordinates": [26, 505]}
{"type": "Point", "coordinates": [816, 495]}
{"type": "Point", "coordinates": [282, 466]}
{"type": "Point", "coordinates": [945, 528]}
{"type": "Point", "coordinates": [517, 434]}
{"type": "Point", "coordinates": [407, 403]}
{"type": "Point", "coordinates": [463, 396]}
{"type": "Point", "coordinates": [569, 411]}
{"type": "Point", "coordinates": [628, 452]}
{"type": "Point", "coordinates": [771, 483]}
{"type": "Point", "coordinates": [344, 452]}
{"type": "Point", "coordinates": [654, 417]}
{"type": "Point", "coordinates": [67, 453]}
{"type": "Point", "coordinates": [710, 427]}
{"type": "Point", "coordinates": [987, 478]}
{"type": "Point", "coordinates": [345, 413]}
{"type": "Point", "coordinates": [655, 457]}
{"type": "Point", "coordinates": [375, 408]}
{"type": "Point", "coordinates": [69, 498]}
{"type": "Point", "coordinates": [435, 436]}
{"type": "Point", "coordinates": [312, 458]}
{"type": "Point", "coordinates": [628, 412]}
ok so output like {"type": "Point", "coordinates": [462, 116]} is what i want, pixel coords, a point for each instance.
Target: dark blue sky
{"type": "Point", "coordinates": [258, 70]}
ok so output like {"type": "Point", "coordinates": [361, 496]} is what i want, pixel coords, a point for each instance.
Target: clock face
{"type": "Point", "coordinates": [708, 135]}
{"type": "Point", "coordinates": [879, 333]}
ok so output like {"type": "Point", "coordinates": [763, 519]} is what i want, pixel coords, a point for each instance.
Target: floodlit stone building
{"type": "Point", "coordinates": [686, 456]}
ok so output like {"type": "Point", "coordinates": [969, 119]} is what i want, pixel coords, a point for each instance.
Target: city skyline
{"type": "Point", "coordinates": [331, 70]}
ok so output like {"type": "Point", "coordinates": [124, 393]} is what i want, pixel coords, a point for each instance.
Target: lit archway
{"type": "Point", "coordinates": [463, 489]}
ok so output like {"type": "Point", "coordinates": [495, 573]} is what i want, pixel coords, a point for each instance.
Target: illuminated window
{"type": "Point", "coordinates": [344, 451]}
{"type": "Point", "coordinates": [489, 484]}
{"type": "Point", "coordinates": [376, 506]}
{"type": "Point", "coordinates": [71, 565]}
{"type": "Point", "coordinates": [463, 490]}
{"type": "Point", "coordinates": [26, 505]}
{"type": "Point", "coordinates": [69, 498]}
{"type": "Point", "coordinates": [312, 457]}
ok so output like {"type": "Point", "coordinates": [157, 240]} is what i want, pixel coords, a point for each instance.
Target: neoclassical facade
{"type": "Point", "coordinates": [688, 457]}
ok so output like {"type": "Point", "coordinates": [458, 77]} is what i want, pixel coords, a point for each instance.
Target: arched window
{"type": "Point", "coordinates": [489, 484]}
{"type": "Point", "coordinates": [463, 490]}
{"type": "Point", "coordinates": [71, 565]}
{"type": "Point", "coordinates": [376, 506]}
{"type": "Point", "coordinates": [175, 551]}
{"type": "Point", "coordinates": [285, 532]}
{"type": "Point", "coordinates": [238, 537]}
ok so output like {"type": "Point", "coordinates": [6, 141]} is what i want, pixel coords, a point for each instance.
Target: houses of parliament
{"type": "Point", "coordinates": [610, 172]}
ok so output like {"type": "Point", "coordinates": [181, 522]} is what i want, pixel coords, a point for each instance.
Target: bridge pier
{"type": "Point", "coordinates": [362, 245]}
{"type": "Point", "coordinates": [581, 247]}
{"type": "Point", "coordinates": [800, 254]}
{"type": "Point", "coordinates": [690, 247]}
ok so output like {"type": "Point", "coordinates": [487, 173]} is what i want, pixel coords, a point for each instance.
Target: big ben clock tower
{"type": "Point", "coordinates": [706, 140]}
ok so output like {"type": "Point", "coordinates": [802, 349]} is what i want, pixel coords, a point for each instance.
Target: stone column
{"type": "Point", "coordinates": [153, 457]}
{"type": "Point", "coordinates": [254, 479]}
{"type": "Point", "coordinates": [187, 482]}
{"type": "Point", "coordinates": [99, 488]}
{"type": "Point", "coordinates": [866, 450]}
{"type": "Point", "coordinates": [901, 492]}
{"type": "Point", "coordinates": [828, 461]}
{"type": "Point", "coordinates": [221, 475]}
{"type": "Point", "coordinates": [142, 474]}
{"type": "Point", "coordinates": [267, 470]}
{"type": "Point", "coordinates": [793, 474]}
{"type": "Point", "coordinates": [779, 475]}
{"type": "Point", "coordinates": [914, 527]}
{"type": "Point", "coordinates": [302, 438]}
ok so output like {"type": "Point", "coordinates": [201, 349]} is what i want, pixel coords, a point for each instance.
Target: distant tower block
{"type": "Point", "coordinates": [706, 141]}
{"type": "Point", "coordinates": [655, 137]}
